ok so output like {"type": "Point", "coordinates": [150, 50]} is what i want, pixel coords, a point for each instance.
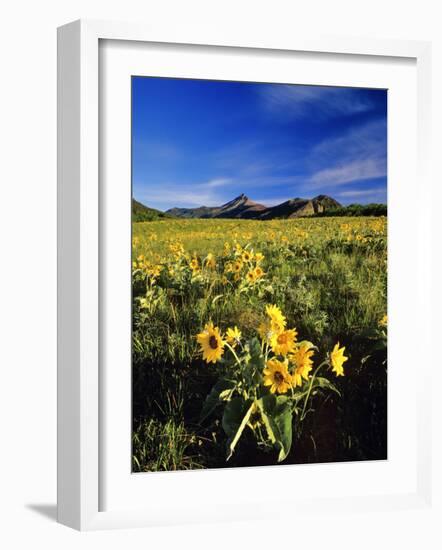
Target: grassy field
{"type": "Point", "coordinates": [328, 276]}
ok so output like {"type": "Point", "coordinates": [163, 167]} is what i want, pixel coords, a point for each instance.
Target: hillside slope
{"type": "Point", "coordinates": [142, 213]}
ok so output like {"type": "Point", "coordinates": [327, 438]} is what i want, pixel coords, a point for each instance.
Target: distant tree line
{"type": "Point", "coordinates": [372, 209]}
{"type": "Point", "coordinates": [147, 215]}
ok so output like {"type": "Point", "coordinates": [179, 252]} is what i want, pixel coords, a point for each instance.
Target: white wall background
{"type": "Point", "coordinates": [28, 266]}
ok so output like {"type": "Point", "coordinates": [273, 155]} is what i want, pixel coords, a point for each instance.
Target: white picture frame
{"type": "Point", "coordinates": [80, 273]}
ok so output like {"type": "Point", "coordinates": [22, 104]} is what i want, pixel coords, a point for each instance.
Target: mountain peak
{"type": "Point", "coordinates": [241, 197]}
{"type": "Point", "coordinates": [242, 207]}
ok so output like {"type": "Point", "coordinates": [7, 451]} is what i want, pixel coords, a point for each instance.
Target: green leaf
{"type": "Point", "coordinates": [235, 418]}
{"type": "Point", "coordinates": [215, 397]}
{"type": "Point", "coordinates": [254, 363]}
{"type": "Point", "coordinates": [325, 384]}
{"type": "Point", "coordinates": [255, 348]}
{"type": "Point", "coordinates": [276, 413]}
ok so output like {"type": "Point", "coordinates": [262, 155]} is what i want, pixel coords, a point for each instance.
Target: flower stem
{"type": "Point", "coordinates": [312, 379]}
{"type": "Point", "coordinates": [233, 352]}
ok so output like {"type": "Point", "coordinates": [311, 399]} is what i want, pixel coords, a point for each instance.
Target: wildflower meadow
{"type": "Point", "coordinates": [258, 342]}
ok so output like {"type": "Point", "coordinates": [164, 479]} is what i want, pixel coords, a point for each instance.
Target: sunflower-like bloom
{"type": "Point", "coordinates": [237, 266]}
{"type": "Point", "coordinates": [259, 257]}
{"type": "Point", "coordinates": [154, 271]}
{"type": "Point", "coordinates": [258, 272]}
{"type": "Point", "coordinates": [276, 315]}
{"type": "Point", "coordinates": [211, 342]}
{"type": "Point", "coordinates": [247, 256]}
{"type": "Point", "coordinates": [302, 362]}
{"type": "Point", "coordinates": [233, 335]}
{"type": "Point", "coordinates": [284, 342]}
{"type": "Point", "coordinates": [251, 277]}
{"type": "Point", "coordinates": [275, 324]}
{"type": "Point", "coordinates": [277, 376]}
{"type": "Point", "coordinates": [337, 359]}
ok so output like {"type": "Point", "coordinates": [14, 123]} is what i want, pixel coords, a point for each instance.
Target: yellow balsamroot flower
{"type": "Point", "coordinates": [384, 321]}
{"type": "Point", "coordinates": [251, 277]}
{"type": "Point", "coordinates": [276, 316]}
{"type": "Point", "coordinates": [284, 342]}
{"type": "Point", "coordinates": [236, 277]}
{"type": "Point", "coordinates": [155, 271]}
{"type": "Point", "coordinates": [337, 359]}
{"type": "Point", "coordinates": [277, 376]}
{"type": "Point", "coordinates": [259, 257]}
{"type": "Point", "coordinates": [210, 261]}
{"type": "Point", "coordinates": [247, 256]}
{"type": "Point", "coordinates": [237, 266]}
{"type": "Point", "coordinates": [302, 362]}
{"type": "Point", "coordinates": [211, 342]}
{"type": "Point", "coordinates": [233, 335]}
{"type": "Point", "coordinates": [258, 272]}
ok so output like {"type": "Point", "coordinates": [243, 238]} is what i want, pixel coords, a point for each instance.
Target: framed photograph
{"type": "Point", "coordinates": [236, 289]}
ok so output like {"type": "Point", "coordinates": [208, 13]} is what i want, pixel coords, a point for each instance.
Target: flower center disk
{"type": "Point", "coordinates": [279, 377]}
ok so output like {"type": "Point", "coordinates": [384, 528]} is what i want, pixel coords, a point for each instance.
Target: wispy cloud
{"type": "Point", "coordinates": [208, 193]}
{"type": "Point", "coordinates": [343, 174]}
{"type": "Point", "coordinates": [358, 155]}
{"type": "Point", "coordinates": [368, 140]}
{"type": "Point", "coordinates": [215, 183]}
{"type": "Point", "coordinates": [321, 101]}
{"type": "Point", "coordinates": [361, 192]}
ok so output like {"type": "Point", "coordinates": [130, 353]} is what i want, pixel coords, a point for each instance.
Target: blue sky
{"type": "Point", "coordinates": [200, 142]}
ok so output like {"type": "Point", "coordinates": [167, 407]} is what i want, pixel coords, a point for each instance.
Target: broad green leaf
{"type": "Point", "coordinates": [326, 384]}
{"type": "Point", "coordinates": [255, 363]}
{"type": "Point", "coordinates": [214, 397]}
{"type": "Point", "coordinates": [255, 348]}
{"type": "Point", "coordinates": [276, 413]}
{"type": "Point", "coordinates": [236, 415]}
